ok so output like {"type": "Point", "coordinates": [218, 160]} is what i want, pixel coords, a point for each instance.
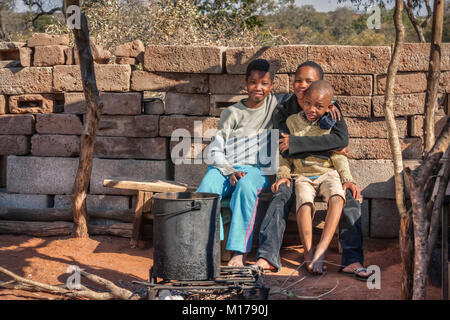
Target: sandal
{"type": "Point", "coordinates": [356, 274]}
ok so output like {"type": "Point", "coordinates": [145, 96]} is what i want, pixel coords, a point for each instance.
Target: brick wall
{"type": "Point", "coordinates": [42, 112]}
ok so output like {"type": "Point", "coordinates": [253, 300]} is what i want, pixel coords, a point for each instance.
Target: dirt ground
{"type": "Point", "coordinates": [47, 259]}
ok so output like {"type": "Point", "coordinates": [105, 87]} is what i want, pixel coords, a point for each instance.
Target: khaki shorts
{"type": "Point", "coordinates": [327, 185]}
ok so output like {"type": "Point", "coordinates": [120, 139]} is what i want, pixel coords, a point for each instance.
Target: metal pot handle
{"type": "Point", "coordinates": [194, 206]}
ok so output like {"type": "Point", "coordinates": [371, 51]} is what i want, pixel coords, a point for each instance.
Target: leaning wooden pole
{"type": "Point", "coordinates": [94, 107]}
{"type": "Point", "coordinates": [434, 69]}
{"type": "Point", "coordinates": [406, 230]}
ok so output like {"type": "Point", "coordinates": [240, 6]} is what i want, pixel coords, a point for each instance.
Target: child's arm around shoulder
{"type": "Point", "coordinates": [337, 139]}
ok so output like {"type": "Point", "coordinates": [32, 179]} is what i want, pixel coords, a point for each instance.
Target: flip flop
{"type": "Point", "coordinates": [355, 274]}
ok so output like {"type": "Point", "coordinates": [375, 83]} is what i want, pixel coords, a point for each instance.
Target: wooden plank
{"type": "Point", "coordinates": [54, 214]}
{"type": "Point", "coordinates": [36, 229]}
{"type": "Point", "coordinates": [60, 228]}
{"type": "Point", "coordinates": [150, 186]}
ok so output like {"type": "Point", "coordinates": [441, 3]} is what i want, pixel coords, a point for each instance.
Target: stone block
{"type": "Point", "coordinates": [376, 177]}
{"type": "Point", "coordinates": [200, 126]}
{"type": "Point", "coordinates": [3, 109]}
{"type": "Point", "coordinates": [192, 59]}
{"type": "Point", "coordinates": [95, 202]}
{"type": "Point", "coordinates": [2, 171]}
{"type": "Point", "coordinates": [126, 60]}
{"type": "Point", "coordinates": [417, 122]}
{"type": "Point", "coordinates": [384, 219]}
{"type": "Point", "coordinates": [184, 103]}
{"type": "Point", "coordinates": [139, 170]}
{"type": "Point", "coordinates": [130, 49]}
{"type": "Point", "coordinates": [191, 174]}
{"type": "Point", "coordinates": [355, 106]}
{"type": "Point", "coordinates": [235, 84]}
{"type": "Point", "coordinates": [283, 59]}
{"type": "Point", "coordinates": [128, 103]}
{"type": "Point", "coordinates": [350, 85]}
{"type": "Point", "coordinates": [416, 56]}
{"type": "Point", "coordinates": [163, 81]}
{"type": "Point", "coordinates": [143, 126]}
{"type": "Point", "coordinates": [17, 124]}
{"type": "Point", "coordinates": [110, 77]}
{"type": "Point", "coordinates": [218, 102]}
{"type": "Point", "coordinates": [444, 82]}
{"type": "Point", "coordinates": [10, 46]}
{"type": "Point", "coordinates": [10, 63]}
{"type": "Point", "coordinates": [44, 39]}
{"type": "Point", "coordinates": [25, 80]}
{"type": "Point", "coordinates": [69, 56]}
{"type": "Point", "coordinates": [31, 103]}
{"type": "Point", "coordinates": [191, 150]}
{"type": "Point", "coordinates": [40, 175]}
{"type": "Point", "coordinates": [14, 144]}
{"type": "Point", "coordinates": [404, 104]}
{"type": "Point", "coordinates": [380, 149]}
{"type": "Point", "coordinates": [373, 128]}
{"type": "Point", "coordinates": [404, 83]}
{"type": "Point", "coordinates": [134, 148]}
{"type": "Point", "coordinates": [25, 56]}
{"type": "Point", "coordinates": [58, 124]}
{"type": "Point", "coordinates": [46, 56]}
{"type": "Point", "coordinates": [351, 59]}
{"type": "Point", "coordinates": [55, 145]}
{"type": "Point", "coordinates": [29, 201]}
{"type": "Point", "coordinates": [365, 218]}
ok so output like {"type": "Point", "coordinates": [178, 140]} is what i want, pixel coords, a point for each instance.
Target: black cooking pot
{"type": "Point", "coordinates": [186, 236]}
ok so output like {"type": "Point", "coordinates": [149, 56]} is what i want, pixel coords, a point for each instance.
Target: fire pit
{"type": "Point", "coordinates": [243, 283]}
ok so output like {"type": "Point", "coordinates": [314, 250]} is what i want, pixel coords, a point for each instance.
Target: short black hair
{"type": "Point", "coordinates": [322, 86]}
{"type": "Point", "coordinates": [312, 64]}
{"type": "Point", "coordinates": [259, 65]}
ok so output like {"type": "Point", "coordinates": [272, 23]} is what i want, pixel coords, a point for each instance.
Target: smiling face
{"type": "Point", "coordinates": [316, 103]}
{"type": "Point", "coordinates": [259, 84]}
{"type": "Point", "coordinates": [303, 79]}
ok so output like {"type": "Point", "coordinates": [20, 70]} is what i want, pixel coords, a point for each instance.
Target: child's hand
{"type": "Point", "coordinates": [356, 191]}
{"type": "Point", "coordinates": [284, 142]}
{"type": "Point", "coordinates": [279, 182]}
{"type": "Point", "coordinates": [234, 177]}
{"type": "Point", "coordinates": [343, 151]}
{"type": "Point", "coordinates": [335, 113]}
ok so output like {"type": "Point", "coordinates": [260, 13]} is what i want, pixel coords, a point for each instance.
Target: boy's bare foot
{"type": "Point", "coordinates": [264, 264]}
{"type": "Point", "coordinates": [237, 260]}
{"type": "Point", "coordinates": [316, 266]}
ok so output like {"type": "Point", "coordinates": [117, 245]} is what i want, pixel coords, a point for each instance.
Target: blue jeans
{"type": "Point", "coordinates": [243, 204]}
{"type": "Point", "coordinates": [274, 225]}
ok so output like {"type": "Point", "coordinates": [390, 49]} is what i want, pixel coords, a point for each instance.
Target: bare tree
{"type": "Point", "coordinates": [5, 8]}
{"type": "Point", "coordinates": [94, 106]}
{"type": "Point", "coordinates": [425, 230]}
{"type": "Point", "coordinates": [419, 26]}
{"type": "Point", "coordinates": [42, 8]}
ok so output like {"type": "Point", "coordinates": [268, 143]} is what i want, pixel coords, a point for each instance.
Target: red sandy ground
{"type": "Point", "coordinates": [47, 259]}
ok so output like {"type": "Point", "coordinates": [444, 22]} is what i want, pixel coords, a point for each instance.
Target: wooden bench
{"type": "Point", "coordinates": [264, 200]}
